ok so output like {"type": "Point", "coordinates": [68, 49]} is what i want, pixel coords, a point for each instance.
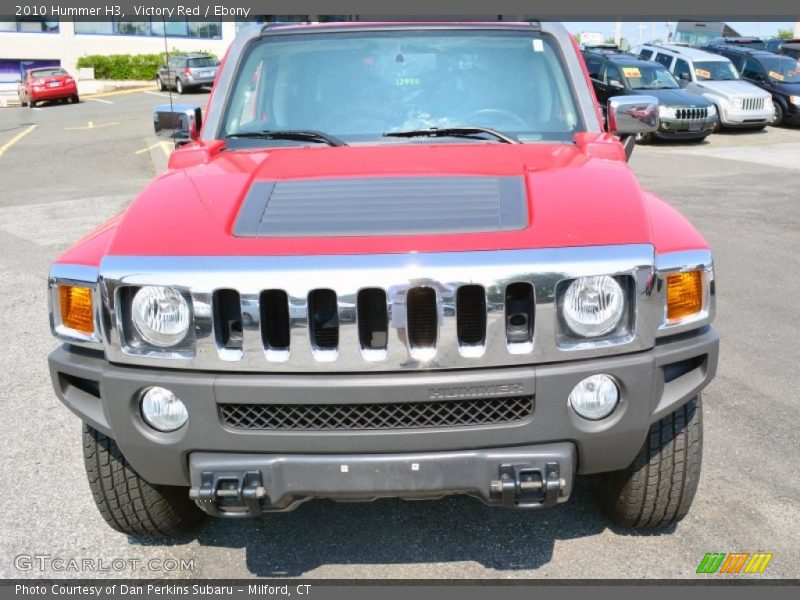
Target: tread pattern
{"type": "Point", "coordinates": [657, 489]}
{"type": "Point", "coordinates": [127, 502]}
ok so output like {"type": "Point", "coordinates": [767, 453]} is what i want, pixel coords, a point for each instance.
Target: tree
{"type": "Point", "coordinates": [785, 34]}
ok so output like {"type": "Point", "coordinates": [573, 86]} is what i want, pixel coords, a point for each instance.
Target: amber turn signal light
{"type": "Point", "coordinates": [684, 295]}
{"type": "Point", "coordinates": [76, 308]}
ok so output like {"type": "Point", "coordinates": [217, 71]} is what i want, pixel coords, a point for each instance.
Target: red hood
{"type": "Point", "coordinates": [578, 195]}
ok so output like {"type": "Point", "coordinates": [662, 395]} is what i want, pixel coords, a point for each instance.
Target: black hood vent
{"type": "Point", "coordinates": [382, 206]}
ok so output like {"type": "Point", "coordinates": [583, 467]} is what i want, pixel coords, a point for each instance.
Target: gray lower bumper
{"type": "Point", "coordinates": [653, 384]}
{"type": "Point", "coordinates": [527, 477]}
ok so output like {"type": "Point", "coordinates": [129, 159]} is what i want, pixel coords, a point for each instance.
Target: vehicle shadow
{"type": "Point", "coordinates": [454, 529]}
{"type": "Point", "coordinates": [744, 132]}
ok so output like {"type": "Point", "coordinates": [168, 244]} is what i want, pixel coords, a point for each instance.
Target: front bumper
{"type": "Point", "coordinates": [685, 129]}
{"type": "Point", "coordinates": [525, 477]}
{"type": "Point", "coordinates": [652, 383]}
{"type": "Point", "coordinates": [731, 117]}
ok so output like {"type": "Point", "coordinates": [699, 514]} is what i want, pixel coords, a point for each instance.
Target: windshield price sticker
{"type": "Point", "coordinates": [632, 72]}
{"type": "Point", "coordinates": [777, 76]}
{"type": "Point", "coordinates": [538, 46]}
{"type": "Point", "coordinates": [702, 73]}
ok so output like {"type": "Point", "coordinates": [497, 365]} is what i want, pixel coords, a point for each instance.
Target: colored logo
{"type": "Point", "coordinates": [736, 562]}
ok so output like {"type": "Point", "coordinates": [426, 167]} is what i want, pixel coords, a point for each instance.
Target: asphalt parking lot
{"type": "Point", "coordinates": [65, 169]}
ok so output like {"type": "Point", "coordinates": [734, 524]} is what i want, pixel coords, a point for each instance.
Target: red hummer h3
{"type": "Point", "coordinates": [394, 260]}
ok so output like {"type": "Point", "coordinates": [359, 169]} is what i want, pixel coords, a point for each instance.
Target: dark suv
{"type": "Point", "coordinates": [187, 71]}
{"type": "Point", "coordinates": [778, 74]}
{"type": "Point", "coordinates": [682, 115]}
{"type": "Point", "coordinates": [791, 48]}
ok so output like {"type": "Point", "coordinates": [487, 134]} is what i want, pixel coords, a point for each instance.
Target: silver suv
{"type": "Point", "coordinates": [187, 71]}
{"type": "Point", "coordinates": [739, 103]}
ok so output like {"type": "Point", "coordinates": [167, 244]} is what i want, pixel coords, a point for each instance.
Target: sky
{"type": "Point", "coordinates": [630, 30]}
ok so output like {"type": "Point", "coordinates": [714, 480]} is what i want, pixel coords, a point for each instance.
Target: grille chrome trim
{"type": "Point", "coordinates": [692, 114]}
{"type": "Point", "coordinates": [378, 416]}
{"type": "Point", "coordinates": [396, 274]}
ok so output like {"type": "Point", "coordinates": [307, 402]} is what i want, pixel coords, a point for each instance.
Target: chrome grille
{"type": "Point", "coordinates": [692, 113]}
{"type": "Point", "coordinates": [374, 313]}
{"type": "Point", "coordinates": [753, 103]}
{"type": "Point", "coordinates": [400, 415]}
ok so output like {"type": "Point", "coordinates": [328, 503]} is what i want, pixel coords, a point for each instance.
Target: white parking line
{"type": "Point", "coordinates": [100, 100]}
{"type": "Point", "coordinates": [158, 94]}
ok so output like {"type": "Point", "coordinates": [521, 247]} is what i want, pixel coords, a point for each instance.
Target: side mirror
{"type": "Point", "coordinates": [615, 83]}
{"type": "Point", "coordinates": [630, 115]}
{"type": "Point", "coordinates": [179, 122]}
{"type": "Point", "coordinates": [685, 77]}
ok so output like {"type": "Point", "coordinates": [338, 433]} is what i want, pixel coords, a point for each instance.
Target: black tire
{"type": "Point", "coordinates": [75, 99]}
{"type": "Point", "coordinates": [31, 103]}
{"type": "Point", "coordinates": [127, 502]}
{"type": "Point", "coordinates": [779, 114]}
{"type": "Point", "coordinates": [657, 489]}
{"type": "Point", "coordinates": [178, 85]}
{"type": "Point", "coordinates": [160, 83]}
{"type": "Point", "coordinates": [718, 124]}
{"type": "Point", "coordinates": [644, 138]}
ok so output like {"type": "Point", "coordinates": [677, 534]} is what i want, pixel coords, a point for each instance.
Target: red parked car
{"type": "Point", "coordinates": [47, 83]}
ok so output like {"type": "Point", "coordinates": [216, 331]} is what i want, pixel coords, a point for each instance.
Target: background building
{"type": "Point", "coordinates": [34, 42]}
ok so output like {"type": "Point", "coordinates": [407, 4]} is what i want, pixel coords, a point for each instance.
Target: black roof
{"type": "Point", "coordinates": [741, 49]}
{"type": "Point", "coordinates": [622, 58]}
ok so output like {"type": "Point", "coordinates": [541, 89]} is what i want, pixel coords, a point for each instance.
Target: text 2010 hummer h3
{"type": "Point", "coordinates": [395, 261]}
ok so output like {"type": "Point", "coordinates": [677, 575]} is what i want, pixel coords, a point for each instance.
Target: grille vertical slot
{"type": "Point", "coordinates": [423, 325]}
{"type": "Point", "coordinates": [519, 313]}
{"type": "Point", "coordinates": [471, 315]}
{"type": "Point", "coordinates": [227, 319]}
{"type": "Point", "coordinates": [323, 319]}
{"type": "Point", "coordinates": [274, 319]}
{"type": "Point", "coordinates": [373, 319]}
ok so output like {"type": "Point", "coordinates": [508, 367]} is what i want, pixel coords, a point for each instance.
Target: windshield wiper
{"type": "Point", "coordinates": [300, 135]}
{"type": "Point", "coordinates": [452, 132]}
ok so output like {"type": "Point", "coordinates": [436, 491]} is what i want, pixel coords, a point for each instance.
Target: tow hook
{"type": "Point", "coordinates": [230, 494]}
{"type": "Point", "coordinates": [527, 486]}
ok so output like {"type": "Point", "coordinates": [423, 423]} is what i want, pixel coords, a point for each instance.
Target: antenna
{"type": "Point", "coordinates": [166, 60]}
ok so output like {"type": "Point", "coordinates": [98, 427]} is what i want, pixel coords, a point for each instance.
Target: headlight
{"type": "Point", "coordinates": [666, 112]}
{"type": "Point", "coordinates": [161, 315]}
{"type": "Point", "coordinates": [593, 306]}
{"type": "Point", "coordinates": [737, 103]}
{"type": "Point", "coordinates": [795, 100]}
{"type": "Point", "coordinates": [712, 111]}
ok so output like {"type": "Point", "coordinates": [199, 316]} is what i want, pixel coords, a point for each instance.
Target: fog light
{"type": "Point", "coordinates": [595, 397]}
{"type": "Point", "coordinates": [162, 410]}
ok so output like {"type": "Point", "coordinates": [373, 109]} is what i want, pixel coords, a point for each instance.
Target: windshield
{"type": "Point", "coordinates": [782, 69]}
{"type": "Point", "coordinates": [48, 73]}
{"type": "Point", "coordinates": [649, 77]}
{"type": "Point", "coordinates": [715, 70]}
{"type": "Point", "coordinates": [205, 61]}
{"type": "Point", "coordinates": [358, 86]}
